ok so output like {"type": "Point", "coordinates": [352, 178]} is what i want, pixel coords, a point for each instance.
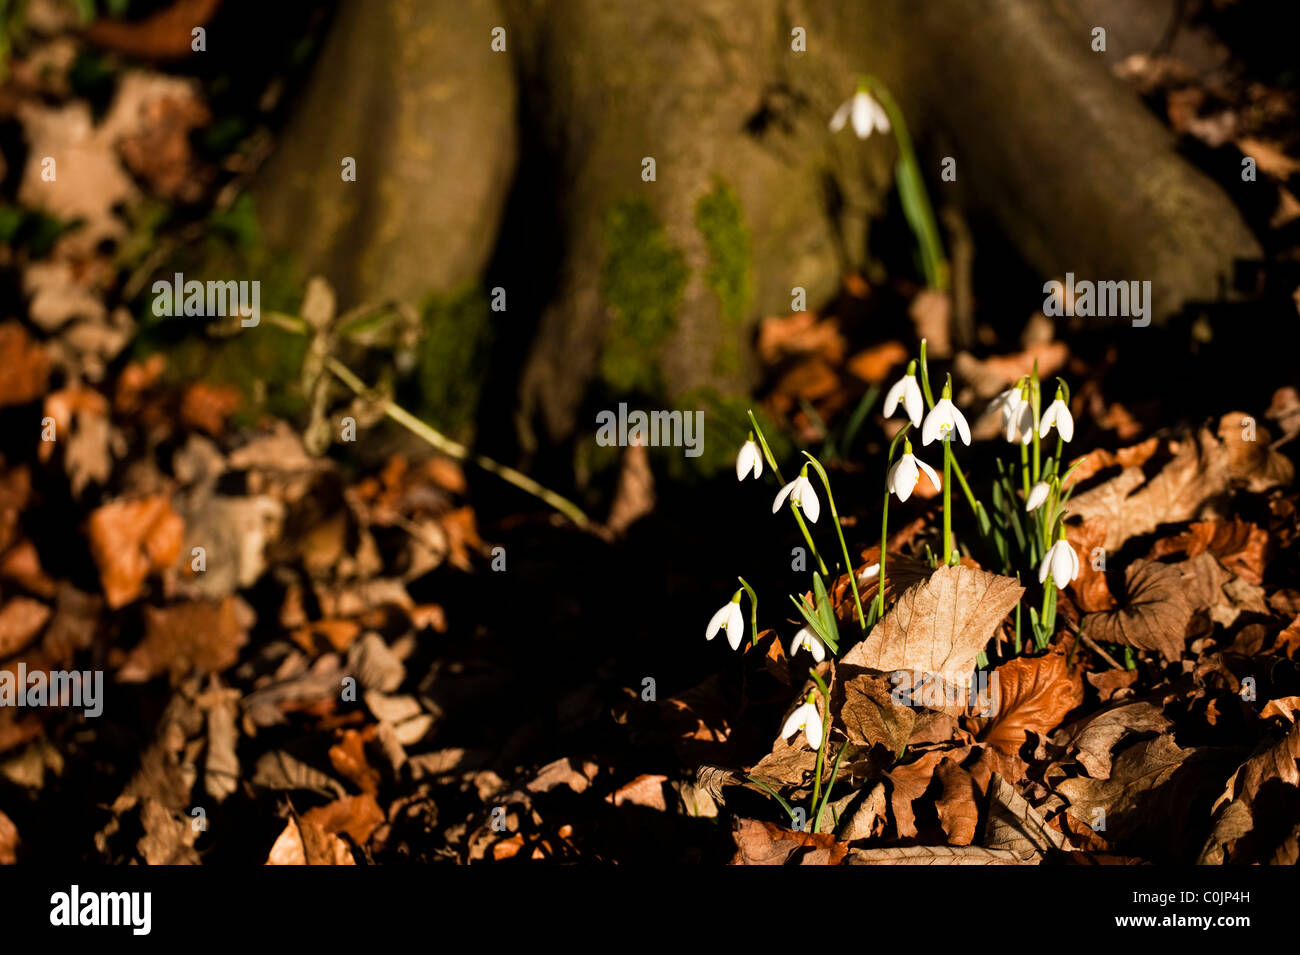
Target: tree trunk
{"type": "Point", "coordinates": [660, 283]}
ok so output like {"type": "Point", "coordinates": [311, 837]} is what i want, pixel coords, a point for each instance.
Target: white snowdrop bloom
{"type": "Point", "coordinates": [908, 392]}
{"type": "Point", "coordinates": [943, 420]}
{"type": "Point", "coordinates": [1037, 495]}
{"type": "Point", "coordinates": [1059, 415]}
{"type": "Point", "coordinates": [749, 459]}
{"type": "Point", "coordinates": [730, 619]}
{"type": "Point", "coordinates": [906, 472]}
{"type": "Point", "coordinates": [867, 115]}
{"type": "Point", "coordinates": [1019, 423]}
{"type": "Point", "coordinates": [1061, 562]}
{"type": "Point", "coordinates": [1017, 414]}
{"type": "Point", "coordinates": [805, 718]}
{"type": "Point", "coordinates": [806, 639]}
{"type": "Point", "coordinates": [800, 490]}
{"type": "Point", "coordinates": [869, 573]}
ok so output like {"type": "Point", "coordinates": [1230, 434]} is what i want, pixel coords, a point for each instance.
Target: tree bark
{"type": "Point", "coordinates": [660, 283]}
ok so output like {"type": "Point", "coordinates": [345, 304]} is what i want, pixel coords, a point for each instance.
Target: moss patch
{"type": "Point", "coordinates": [453, 356]}
{"type": "Point", "coordinates": [643, 278]}
{"type": "Point", "coordinates": [719, 219]}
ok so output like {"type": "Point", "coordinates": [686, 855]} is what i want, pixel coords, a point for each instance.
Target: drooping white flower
{"type": "Point", "coordinates": [1057, 414]}
{"type": "Point", "coordinates": [1061, 562]}
{"type": "Point", "coordinates": [906, 472]}
{"type": "Point", "coordinates": [800, 490]}
{"type": "Point", "coordinates": [870, 572]}
{"type": "Point", "coordinates": [730, 619]}
{"type": "Point", "coordinates": [1017, 414]}
{"type": "Point", "coordinates": [1020, 423]}
{"type": "Point", "coordinates": [806, 718]}
{"type": "Point", "coordinates": [908, 392]}
{"type": "Point", "coordinates": [1037, 495]}
{"type": "Point", "coordinates": [806, 639]}
{"type": "Point", "coordinates": [749, 459]}
{"type": "Point", "coordinates": [866, 113]}
{"type": "Point", "coordinates": [943, 420]}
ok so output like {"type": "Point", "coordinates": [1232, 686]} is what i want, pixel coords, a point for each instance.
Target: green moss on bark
{"type": "Point", "coordinates": [643, 279]}
{"type": "Point", "coordinates": [453, 356]}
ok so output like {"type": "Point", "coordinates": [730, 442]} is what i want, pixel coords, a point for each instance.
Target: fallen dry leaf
{"type": "Point", "coordinates": [1033, 694]}
{"type": "Point", "coordinates": [1203, 469]}
{"type": "Point", "coordinates": [201, 636]}
{"type": "Point", "coordinates": [1154, 613]}
{"type": "Point", "coordinates": [131, 539]}
{"type": "Point", "coordinates": [356, 816]}
{"type": "Point", "coordinates": [1240, 546]}
{"type": "Point", "coordinates": [21, 619]}
{"type": "Point", "coordinates": [305, 843]}
{"type": "Point", "coordinates": [26, 365]}
{"type": "Point", "coordinates": [765, 843]}
{"type": "Point", "coordinates": [939, 625]}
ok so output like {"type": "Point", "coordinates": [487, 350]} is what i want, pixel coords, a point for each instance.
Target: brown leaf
{"type": "Point", "coordinates": [933, 855]}
{"type": "Point", "coordinates": [1273, 760]}
{"type": "Point", "coordinates": [874, 364]}
{"type": "Point", "coordinates": [1092, 738]}
{"type": "Point", "coordinates": [164, 35]}
{"type": "Point", "coordinates": [349, 758]}
{"type": "Point", "coordinates": [1240, 546]}
{"type": "Point", "coordinates": [1154, 615]}
{"type": "Point", "coordinates": [304, 843]}
{"type": "Point", "coordinates": [955, 804]}
{"type": "Point", "coordinates": [870, 714]}
{"type": "Point", "coordinates": [909, 783]}
{"type": "Point", "coordinates": [128, 540]}
{"type": "Point", "coordinates": [206, 407]}
{"type": "Point", "coordinates": [1015, 826]}
{"type": "Point", "coordinates": [8, 841]}
{"type": "Point", "coordinates": [356, 816]}
{"type": "Point", "coordinates": [1091, 592]}
{"type": "Point", "coordinates": [1033, 694]}
{"type": "Point", "coordinates": [21, 619]}
{"type": "Point", "coordinates": [200, 636]}
{"type": "Point", "coordinates": [940, 625]}
{"type": "Point", "coordinates": [26, 366]}
{"type": "Point", "coordinates": [1202, 469]}
{"type": "Point", "coordinates": [765, 843]}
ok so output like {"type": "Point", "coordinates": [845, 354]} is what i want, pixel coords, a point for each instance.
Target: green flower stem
{"type": "Point", "coordinates": [947, 503]}
{"type": "Point", "coordinates": [880, 576]}
{"type": "Point", "coordinates": [981, 514]}
{"type": "Point", "coordinates": [435, 438]}
{"type": "Point", "coordinates": [884, 513]}
{"type": "Point", "coordinates": [767, 451]}
{"type": "Point", "coordinates": [925, 378]}
{"type": "Point", "coordinates": [835, 516]}
{"type": "Point", "coordinates": [826, 735]}
{"type": "Point", "coordinates": [911, 189]}
{"type": "Point", "coordinates": [826, 797]}
{"type": "Point", "coordinates": [1035, 403]}
{"type": "Point", "coordinates": [798, 518]}
{"type": "Point", "coordinates": [753, 610]}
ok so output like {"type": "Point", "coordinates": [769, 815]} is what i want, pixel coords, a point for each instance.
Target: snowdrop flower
{"type": "Point", "coordinates": [1058, 414]}
{"type": "Point", "coordinates": [904, 475]}
{"type": "Point", "coordinates": [800, 491]}
{"type": "Point", "coordinates": [942, 421]}
{"type": "Point", "coordinates": [1017, 413]}
{"type": "Point", "coordinates": [749, 459]}
{"type": "Point", "coordinates": [805, 639]}
{"type": "Point", "coordinates": [730, 619]}
{"type": "Point", "coordinates": [1061, 562]}
{"type": "Point", "coordinates": [1037, 495]}
{"type": "Point", "coordinates": [908, 392]}
{"type": "Point", "coordinates": [805, 718]}
{"type": "Point", "coordinates": [866, 113]}
{"type": "Point", "coordinates": [869, 573]}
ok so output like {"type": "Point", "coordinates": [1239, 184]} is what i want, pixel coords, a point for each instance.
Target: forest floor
{"type": "Point", "coordinates": [389, 655]}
